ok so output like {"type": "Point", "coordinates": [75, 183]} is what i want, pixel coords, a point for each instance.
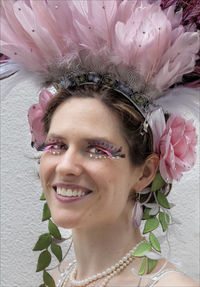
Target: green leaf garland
{"type": "Point", "coordinates": [53, 229]}
{"type": "Point", "coordinates": [143, 267]}
{"type": "Point", "coordinates": [43, 260]}
{"type": "Point", "coordinates": [57, 251]}
{"type": "Point", "coordinates": [43, 242]}
{"type": "Point", "coordinates": [43, 197]}
{"type": "Point", "coordinates": [48, 280]}
{"type": "Point", "coordinates": [163, 219]}
{"type": "Point", "coordinates": [146, 214]}
{"type": "Point", "coordinates": [157, 183]}
{"type": "Point", "coordinates": [151, 265]}
{"type": "Point", "coordinates": [162, 200]}
{"type": "Point", "coordinates": [150, 225]}
{"type": "Point", "coordinates": [142, 249]}
{"type": "Point", "coordinates": [46, 212]}
{"type": "Point", "coordinates": [154, 242]}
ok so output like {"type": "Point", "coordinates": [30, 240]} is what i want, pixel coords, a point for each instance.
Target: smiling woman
{"type": "Point", "coordinates": [75, 160]}
{"type": "Point", "coordinates": [109, 128]}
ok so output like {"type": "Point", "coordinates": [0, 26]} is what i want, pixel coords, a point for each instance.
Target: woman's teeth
{"type": "Point", "coordinates": [69, 192]}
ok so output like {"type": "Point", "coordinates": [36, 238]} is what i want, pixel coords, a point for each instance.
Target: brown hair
{"type": "Point", "coordinates": [140, 146]}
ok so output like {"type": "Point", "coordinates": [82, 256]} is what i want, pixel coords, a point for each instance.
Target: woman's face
{"type": "Point", "coordinates": [92, 191]}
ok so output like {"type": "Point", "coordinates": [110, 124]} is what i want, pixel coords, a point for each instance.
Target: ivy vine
{"type": "Point", "coordinates": [47, 244]}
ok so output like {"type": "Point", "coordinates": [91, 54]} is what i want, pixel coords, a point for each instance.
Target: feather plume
{"type": "Point", "coordinates": [148, 44]}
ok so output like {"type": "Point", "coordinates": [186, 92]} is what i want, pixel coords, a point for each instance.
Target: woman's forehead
{"type": "Point", "coordinates": [88, 117]}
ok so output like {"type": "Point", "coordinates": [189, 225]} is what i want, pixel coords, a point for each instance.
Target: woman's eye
{"type": "Point", "coordinates": [99, 150]}
{"type": "Point", "coordinates": [55, 147]}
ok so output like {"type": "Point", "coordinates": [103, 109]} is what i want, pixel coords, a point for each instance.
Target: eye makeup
{"type": "Point", "coordinates": [101, 149]}
{"type": "Point", "coordinates": [55, 147]}
{"type": "Point", "coordinates": [105, 150]}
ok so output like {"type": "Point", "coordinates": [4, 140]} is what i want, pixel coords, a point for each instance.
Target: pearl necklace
{"type": "Point", "coordinates": [107, 274]}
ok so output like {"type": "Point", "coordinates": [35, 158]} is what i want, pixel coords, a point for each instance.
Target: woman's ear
{"type": "Point", "coordinates": [148, 172]}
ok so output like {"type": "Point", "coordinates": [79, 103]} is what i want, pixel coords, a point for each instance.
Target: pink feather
{"type": "Point", "coordinates": [137, 34]}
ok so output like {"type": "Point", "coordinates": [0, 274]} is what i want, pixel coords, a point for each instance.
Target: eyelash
{"type": "Point", "coordinates": [56, 149]}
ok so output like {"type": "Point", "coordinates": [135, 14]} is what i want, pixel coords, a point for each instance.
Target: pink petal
{"type": "Point", "coordinates": [44, 98]}
{"type": "Point", "coordinates": [137, 214]}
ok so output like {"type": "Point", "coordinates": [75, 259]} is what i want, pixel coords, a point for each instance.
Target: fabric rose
{"type": "Point", "coordinates": [35, 114]}
{"type": "Point", "coordinates": [177, 148]}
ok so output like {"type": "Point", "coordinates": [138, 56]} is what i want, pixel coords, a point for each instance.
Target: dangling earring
{"type": "Point", "coordinates": [137, 212]}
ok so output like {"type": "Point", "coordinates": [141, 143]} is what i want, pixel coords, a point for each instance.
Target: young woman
{"type": "Point", "coordinates": [94, 166]}
{"type": "Point", "coordinates": [112, 137]}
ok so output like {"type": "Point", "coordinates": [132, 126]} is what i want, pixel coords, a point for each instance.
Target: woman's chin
{"type": "Point", "coordinates": [65, 221]}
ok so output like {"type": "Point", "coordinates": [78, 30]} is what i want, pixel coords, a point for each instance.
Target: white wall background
{"type": "Point", "coordinates": [21, 208]}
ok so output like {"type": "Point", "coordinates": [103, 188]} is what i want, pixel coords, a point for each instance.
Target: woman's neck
{"type": "Point", "coordinates": [97, 249]}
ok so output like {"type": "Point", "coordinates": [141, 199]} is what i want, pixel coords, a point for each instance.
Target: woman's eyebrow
{"type": "Point", "coordinates": [100, 140]}
{"type": "Point", "coordinates": [55, 136]}
{"type": "Point", "coordinates": [95, 139]}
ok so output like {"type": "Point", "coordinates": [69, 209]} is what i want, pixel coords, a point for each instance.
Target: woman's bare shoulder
{"type": "Point", "coordinates": [176, 279]}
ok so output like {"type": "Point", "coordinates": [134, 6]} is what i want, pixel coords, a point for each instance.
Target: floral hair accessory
{"type": "Point", "coordinates": [35, 115]}
{"type": "Point", "coordinates": [177, 148]}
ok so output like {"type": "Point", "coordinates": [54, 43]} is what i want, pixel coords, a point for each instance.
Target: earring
{"type": "Point", "coordinates": [137, 212]}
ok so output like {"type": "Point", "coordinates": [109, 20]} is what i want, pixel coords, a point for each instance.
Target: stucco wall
{"type": "Point", "coordinates": [21, 209]}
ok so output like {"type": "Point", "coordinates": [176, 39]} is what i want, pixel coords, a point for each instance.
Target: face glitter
{"type": "Point", "coordinates": [94, 149]}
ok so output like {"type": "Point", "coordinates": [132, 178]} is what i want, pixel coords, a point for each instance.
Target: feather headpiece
{"type": "Point", "coordinates": [136, 40]}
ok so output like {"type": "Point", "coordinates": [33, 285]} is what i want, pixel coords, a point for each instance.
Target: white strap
{"type": "Point", "coordinates": [157, 277]}
{"type": "Point", "coordinates": [64, 275]}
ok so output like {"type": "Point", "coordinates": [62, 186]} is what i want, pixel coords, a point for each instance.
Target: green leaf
{"type": "Point", "coordinates": [42, 285]}
{"type": "Point", "coordinates": [43, 197]}
{"type": "Point", "coordinates": [43, 260]}
{"type": "Point", "coordinates": [53, 229]}
{"type": "Point", "coordinates": [57, 251]}
{"type": "Point", "coordinates": [151, 224]}
{"type": "Point", "coordinates": [141, 249]}
{"type": "Point", "coordinates": [142, 267]}
{"type": "Point", "coordinates": [43, 242]}
{"type": "Point", "coordinates": [146, 214]}
{"type": "Point", "coordinates": [46, 212]}
{"type": "Point", "coordinates": [157, 183]}
{"type": "Point", "coordinates": [48, 280]}
{"type": "Point", "coordinates": [162, 220]}
{"type": "Point", "coordinates": [154, 242]}
{"type": "Point", "coordinates": [162, 200]}
{"type": "Point", "coordinates": [151, 265]}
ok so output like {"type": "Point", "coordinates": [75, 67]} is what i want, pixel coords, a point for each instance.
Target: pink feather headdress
{"type": "Point", "coordinates": [136, 40]}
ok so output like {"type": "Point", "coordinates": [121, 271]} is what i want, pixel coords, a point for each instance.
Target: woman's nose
{"type": "Point", "coordinates": [70, 163]}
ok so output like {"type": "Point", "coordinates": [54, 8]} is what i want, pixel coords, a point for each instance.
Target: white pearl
{"type": "Point", "coordinates": [108, 270]}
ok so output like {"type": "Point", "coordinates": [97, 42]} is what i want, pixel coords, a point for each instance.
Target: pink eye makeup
{"type": "Point", "coordinates": [55, 147]}
{"type": "Point", "coordinates": [100, 150]}
{"type": "Point", "coordinates": [95, 149]}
